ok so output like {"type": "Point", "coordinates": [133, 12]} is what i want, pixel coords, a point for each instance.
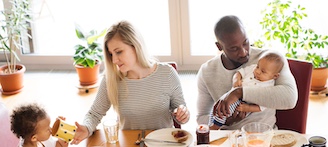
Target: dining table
{"type": "Point", "coordinates": [127, 138]}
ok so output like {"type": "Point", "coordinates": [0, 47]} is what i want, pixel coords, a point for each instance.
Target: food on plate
{"type": "Point", "coordinates": [180, 135]}
{"type": "Point", "coordinates": [283, 140]}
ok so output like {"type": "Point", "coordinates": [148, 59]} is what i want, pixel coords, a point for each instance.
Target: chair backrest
{"type": "Point", "coordinates": [295, 119]}
{"type": "Point", "coordinates": [7, 137]}
{"type": "Point", "coordinates": [174, 64]}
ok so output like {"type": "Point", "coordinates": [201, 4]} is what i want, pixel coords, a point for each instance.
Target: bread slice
{"type": "Point", "coordinates": [283, 140]}
{"type": "Point", "coordinates": [180, 135]}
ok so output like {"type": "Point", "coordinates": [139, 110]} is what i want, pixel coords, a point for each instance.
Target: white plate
{"type": "Point", "coordinates": [300, 139]}
{"type": "Point", "coordinates": [165, 134]}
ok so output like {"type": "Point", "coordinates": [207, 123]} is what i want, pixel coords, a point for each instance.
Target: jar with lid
{"type": "Point", "coordinates": [203, 134]}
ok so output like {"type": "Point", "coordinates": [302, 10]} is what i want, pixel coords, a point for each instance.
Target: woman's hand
{"type": "Point", "coordinates": [61, 143]}
{"type": "Point", "coordinates": [80, 134]}
{"type": "Point", "coordinates": [182, 114]}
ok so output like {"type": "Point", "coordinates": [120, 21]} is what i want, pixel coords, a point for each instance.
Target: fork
{"type": "Point", "coordinates": [138, 140]}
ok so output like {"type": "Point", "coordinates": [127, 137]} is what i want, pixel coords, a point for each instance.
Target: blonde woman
{"type": "Point", "coordinates": [141, 90]}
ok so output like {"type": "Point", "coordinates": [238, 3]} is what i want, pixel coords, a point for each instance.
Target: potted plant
{"type": "Point", "coordinates": [88, 56]}
{"type": "Point", "coordinates": [282, 23]}
{"type": "Point", "coordinates": [14, 26]}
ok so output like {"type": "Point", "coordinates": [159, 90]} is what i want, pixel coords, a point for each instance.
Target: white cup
{"type": "Point", "coordinates": [111, 127]}
{"type": "Point", "coordinates": [63, 130]}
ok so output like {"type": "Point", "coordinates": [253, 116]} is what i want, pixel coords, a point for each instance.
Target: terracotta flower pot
{"type": "Point", "coordinates": [88, 76]}
{"type": "Point", "coordinates": [319, 79]}
{"type": "Point", "coordinates": [12, 83]}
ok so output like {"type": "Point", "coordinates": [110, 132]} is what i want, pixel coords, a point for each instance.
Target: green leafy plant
{"type": "Point", "coordinates": [282, 22]}
{"type": "Point", "coordinates": [13, 25]}
{"type": "Point", "coordinates": [89, 53]}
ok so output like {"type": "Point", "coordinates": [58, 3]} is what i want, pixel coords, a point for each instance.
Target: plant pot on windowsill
{"type": "Point", "coordinates": [15, 24]}
{"type": "Point", "coordinates": [12, 83]}
{"type": "Point", "coordinates": [319, 79]}
{"type": "Point", "coordinates": [88, 56]}
{"type": "Point", "coordinates": [319, 73]}
{"type": "Point", "coordinates": [87, 75]}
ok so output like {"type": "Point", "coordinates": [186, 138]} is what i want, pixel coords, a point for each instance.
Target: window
{"type": "Point", "coordinates": [55, 19]}
{"type": "Point", "coordinates": [201, 17]}
{"type": "Point", "coordinates": [173, 30]}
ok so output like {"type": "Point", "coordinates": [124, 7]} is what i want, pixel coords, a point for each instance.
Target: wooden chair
{"type": "Point", "coordinates": [7, 137]}
{"type": "Point", "coordinates": [295, 119]}
{"type": "Point", "coordinates": [173, 64]}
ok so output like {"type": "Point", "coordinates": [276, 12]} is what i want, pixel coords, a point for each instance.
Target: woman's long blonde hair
{"type": "Point", "coordinates": [129, 35]}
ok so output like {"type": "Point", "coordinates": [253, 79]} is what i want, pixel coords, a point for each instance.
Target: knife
{"type": "Point", "coordinates": [142, 143]}
{"type": "Point", "coordinates": [163, 141]}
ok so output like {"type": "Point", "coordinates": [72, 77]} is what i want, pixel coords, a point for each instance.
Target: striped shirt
{"type": "Point", "coordinates": [143, 103]}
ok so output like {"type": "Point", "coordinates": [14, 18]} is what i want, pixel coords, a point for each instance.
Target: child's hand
{"type": "Point", "coordinates": [62, 118]}
{"type": "Point", "coordinates": [238, 83]}
{"type": "Point", "coordinates": [237, 80]}
{"type": "Point", "coordinates": [242, 107]}
{"type": "Point", "coordinates": [61, 143]}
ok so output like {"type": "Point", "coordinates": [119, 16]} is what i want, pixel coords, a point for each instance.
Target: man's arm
{"type": "Point", "coordinates": [204, 101]}
{"type": "Point", "coordinates": [235, 117]}
{"type": "Point", "coordinates": [222, 106]}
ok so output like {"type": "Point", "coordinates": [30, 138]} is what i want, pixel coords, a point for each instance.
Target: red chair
{"type": "Point", "coordinates": [295, 119]}
{"type": "Point", "coordinates": [176, 125]}
{"type": "Point", "coordinates": [7, 137]}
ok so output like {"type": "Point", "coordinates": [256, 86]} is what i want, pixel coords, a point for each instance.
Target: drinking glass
{"type": "Point", "coordinates": [257, 134]}
{"type": "Point", "coordinates": [254, 134]}
{"type": "Point", "coordinates": [111, 127]}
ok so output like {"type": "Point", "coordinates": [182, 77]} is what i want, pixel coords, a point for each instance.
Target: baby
{"type": "Point", "coordinates": [31, 124]}
{"type": "Point", "coordinates": [262, 74]}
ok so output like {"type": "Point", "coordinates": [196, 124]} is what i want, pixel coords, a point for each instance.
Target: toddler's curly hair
{"type": "Point", "coordinates": [25, 118]}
